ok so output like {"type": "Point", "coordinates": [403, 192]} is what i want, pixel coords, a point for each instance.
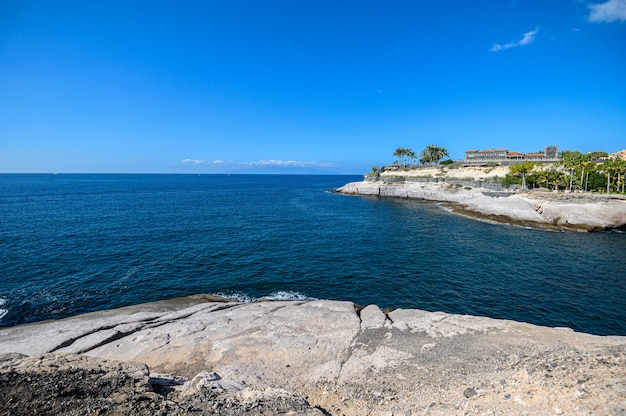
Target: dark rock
{"type": "Point", "coordinates": [469, 392]}
{"type": "Point", "coordinates": [66, 384]}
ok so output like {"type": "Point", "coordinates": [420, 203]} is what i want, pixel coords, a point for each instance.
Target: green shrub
{"type": "Point", "coordinates": [511, 180]}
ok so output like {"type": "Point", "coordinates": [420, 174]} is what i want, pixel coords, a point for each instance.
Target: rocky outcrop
{"type": "Point", "coordinates": [576, 212]}
{"type": "Point", "coordinates": [305, 357]}
{"type": "Point", "coordinates": [70, 384]}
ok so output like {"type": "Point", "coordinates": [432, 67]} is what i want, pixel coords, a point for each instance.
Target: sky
{"type": "Point", "coordinates": [304, 86]}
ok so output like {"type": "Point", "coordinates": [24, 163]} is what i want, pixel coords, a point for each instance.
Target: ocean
{"type": "Point", "coordinates": [74, 243]}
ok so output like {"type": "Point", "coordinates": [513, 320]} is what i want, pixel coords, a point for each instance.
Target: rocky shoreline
{"type": "Point", "coordinates": [536, 209]}
{"type": "Point", "coordinates": [202, 355]}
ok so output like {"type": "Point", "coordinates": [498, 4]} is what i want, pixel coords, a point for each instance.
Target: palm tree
{"type": "Point", "coordinates": [440, 153]}
{"type": "Point", "coordinates": [401, 153]}
{"type": "Point", "coordinates": [584, 162]}
{"type": "Point", "coordinates": [615, 170]}
{"type": "Point", "coordinates": [522, 169]}
{"type": "Point", "coordinates": [433, 154]}
{"type": "Point", "coordinates": [577, 162]}
{"type": "Point", "coordinates": [607, 168]}
{"type": "Point", "coordinates": [620, 168]}
{"type": "Point", "coordinates": [427, 154]}
{"type": "Point", "coordinates": [543, 177]}
{"type": "Point", "coordinates": [557, 178]}
{"type": "Point", "coordinates": [412, 156]}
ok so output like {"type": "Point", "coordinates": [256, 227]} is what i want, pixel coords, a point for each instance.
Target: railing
{"type": "Point", "coordinates": [507, 162]}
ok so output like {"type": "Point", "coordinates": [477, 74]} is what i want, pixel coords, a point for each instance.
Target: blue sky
{"type": "Point", "coordinates": [302, 86]}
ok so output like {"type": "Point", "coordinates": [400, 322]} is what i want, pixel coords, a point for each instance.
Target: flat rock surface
{"type": "Point", "coordinates": [307, 357]}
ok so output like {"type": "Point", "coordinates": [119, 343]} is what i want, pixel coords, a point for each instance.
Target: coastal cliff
{"type": "Point", "coordinates": [538, 209]}
{"type": "Point", "coordinates": [196, 354]}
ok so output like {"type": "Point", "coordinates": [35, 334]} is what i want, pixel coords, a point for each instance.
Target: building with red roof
{"type": "Point", "coordinates": [550, 154]}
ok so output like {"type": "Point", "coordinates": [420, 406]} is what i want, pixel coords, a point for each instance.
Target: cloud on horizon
{"type": "Point", "coordinates": [610, 11]}
{"type": "Point", "coordinates": [258, 164]}
{"type": "Point", "coordinates": [527, 39]}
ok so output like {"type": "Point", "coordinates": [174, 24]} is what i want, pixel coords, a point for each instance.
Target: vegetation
{"type": "Point", "coordinates": [509, 180]}
{"type": "Point", "coordinates": [590, 172]}
{"type": "Point", "coordinates": [593, 171]}
{"type": "Point", "coordinates": [402, 153]}
{"type": "Point", "coordinates": [522, 169]}
{"type": "Point", "coordinates": [548, 178]}
{"type": "Point", "coordinates": [432, 154]}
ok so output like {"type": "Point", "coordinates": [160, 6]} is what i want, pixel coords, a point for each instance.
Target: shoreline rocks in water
{"type": "Point", "coordinates": [548, 210]}
{"type": "Point", "coordinates": [187, 356]}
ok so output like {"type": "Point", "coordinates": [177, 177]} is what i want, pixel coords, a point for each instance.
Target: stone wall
{"type": "Point", "coordinates": [458, 182]}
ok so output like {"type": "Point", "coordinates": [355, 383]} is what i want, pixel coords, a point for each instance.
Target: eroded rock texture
{"type": "Point", "coordinates": [306, 357]}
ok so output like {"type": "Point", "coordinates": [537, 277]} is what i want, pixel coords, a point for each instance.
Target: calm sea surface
{"type": "Point", "coordinates": [77, 243]}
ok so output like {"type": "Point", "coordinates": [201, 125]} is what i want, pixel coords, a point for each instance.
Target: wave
{"type": "Point", "coordinates": [238, 297]}
{"type": "Point", "coordinates": [288, 295]}
{"type": "Point", "coordinates": [280, 295]}
{"type": "Point", "coordinates": [3, 311]}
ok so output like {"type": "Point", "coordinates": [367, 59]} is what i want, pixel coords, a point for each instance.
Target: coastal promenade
{"type": "Point", "coordinates": [203, 355]}
{"type": "Point", "coordinates": [467, 192]}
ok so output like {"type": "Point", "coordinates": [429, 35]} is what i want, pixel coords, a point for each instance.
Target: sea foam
{"type": "Point", "coordinates": [3, 311]}
{"type": "Point", "coordinates": [280, 295]}
{"type": "Point", "coordinates": [286, 295]}
{"type": "Point", "coordinates": [237, 297]}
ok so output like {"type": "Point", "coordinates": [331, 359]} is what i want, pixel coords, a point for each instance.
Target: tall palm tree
{"type": "Point", "coordinates": [585, 162]}
{"type": "Point", "coordinates": [440, 153]}
{"type": "Point", "coordinates": [433, 154]}
{"type": "Point", "coordinates": [614, 170]}
{"type": "Point", "coordinates": [574, 162]}
{"type": "Point", "coordinates": [543, 177]}
{"type": "Point", "coordinates": [400, 152]}
{"type": "Point", "coordinates": [620, 168]}
{"type": "Point", "coordinates": [557, 178]}
{"type": "Point", "coordinates": [522, 169]}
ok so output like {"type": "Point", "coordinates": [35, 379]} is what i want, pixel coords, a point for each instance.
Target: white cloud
{"type": "Point", "coordinates": [527, 39]}
{"type": "Point", "coordinates": [205, 162]}
{"type": "Point", "coordinates": [259, 163]}
{"type": "Point", "coordinates": [609, 11]}
{"type": "Point", "coordinates": [290, 163]}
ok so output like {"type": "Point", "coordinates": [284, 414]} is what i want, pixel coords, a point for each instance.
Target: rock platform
{"type": "Point", "coordinates": [196, 355]}
{"type": "Point", "coordinates": [537, 209]}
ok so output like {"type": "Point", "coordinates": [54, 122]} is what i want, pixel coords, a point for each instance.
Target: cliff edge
{"type": "Point", "coordinates": [194, 355]}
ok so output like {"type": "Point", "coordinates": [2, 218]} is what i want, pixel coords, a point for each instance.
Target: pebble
{"type": "Point", "coordinates": [469, 392]}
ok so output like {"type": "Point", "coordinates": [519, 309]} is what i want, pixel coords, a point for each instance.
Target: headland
{"type": "Point", "coordinates": [471, 191]}
{"type": "Point", "coordinates": [202, 355]}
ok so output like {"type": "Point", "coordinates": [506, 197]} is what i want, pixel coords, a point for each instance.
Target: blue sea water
{"type": "Point", "coordinates": [71, 244]}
